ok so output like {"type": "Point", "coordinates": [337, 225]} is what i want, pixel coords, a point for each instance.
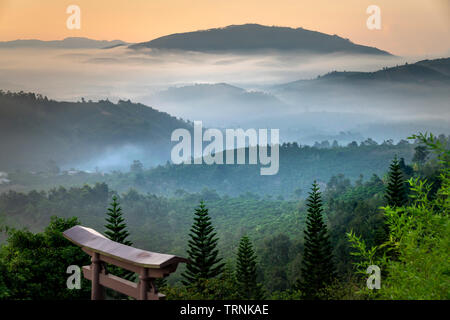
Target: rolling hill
{"type": "Point", "coordinates": [207, 101]}
{"type": "Point", "coordinates": [36, 130]}
{"type": "Point", "coordinates": [249, 37]}
{"type": "Point", "coordinates": [432, 72]}
{"type": "Point", "coordinates": [419, 90]}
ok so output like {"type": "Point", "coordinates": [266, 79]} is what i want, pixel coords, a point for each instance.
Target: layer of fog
{"type": "Point", "coordinates": [146, 75]}
{"type": "Point", "coordinates": [124, 73]}
{"type": "Point", "coordinates": [115, 158]}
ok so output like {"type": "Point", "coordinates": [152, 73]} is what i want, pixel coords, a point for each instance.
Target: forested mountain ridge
{"type": "Point", "coordinates": [434, 72]}
{"type": "Point", "coordinates": [36, 130]}
{"type": "Point", "coordinates": [399, 93]}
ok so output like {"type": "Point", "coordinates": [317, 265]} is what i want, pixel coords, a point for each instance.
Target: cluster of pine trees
{"type": "Point", "coordinates": [318, 271]}
{"type": "Point", "coordinates": [206, 264]}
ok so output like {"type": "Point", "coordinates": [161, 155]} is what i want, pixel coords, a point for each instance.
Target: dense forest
{"type": "Point", "coordinates": [396, 218]}
{"type": "Point", "coordinates": [299, 166]}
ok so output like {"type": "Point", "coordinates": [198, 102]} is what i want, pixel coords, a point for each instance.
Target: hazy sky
{"type": "Point", "coordinates": [409, 27]}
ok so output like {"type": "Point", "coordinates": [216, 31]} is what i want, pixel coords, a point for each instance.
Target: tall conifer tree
{"type": "Point", "coordinates": [203, 252]}
{"type": "Point", "coordinates": [249, 288]}
{"type": "Point", "coordinates": [395, 191]}
{"type": "Point", "coordinates": [395, 195]}
{"type": "Point", "coordinates": [116, 230]}
{"type": "Point", "coordinates": [317, 265]}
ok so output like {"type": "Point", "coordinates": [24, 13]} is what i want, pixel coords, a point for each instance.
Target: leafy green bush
{"type": "Point", "coordinates": [223, 287]}
{"type": "Point", "coordinates": [419, 236]}
{"type": "Point", "coordinates": [34, 265]}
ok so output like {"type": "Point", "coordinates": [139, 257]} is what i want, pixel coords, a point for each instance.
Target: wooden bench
{"type": "Point", "coordinates": [148, 265]}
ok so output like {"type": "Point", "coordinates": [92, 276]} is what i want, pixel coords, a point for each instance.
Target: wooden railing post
{"type": "Point", "coordinates": [143, 284]}
{"type": "Point", "coordinates": [98, 291]}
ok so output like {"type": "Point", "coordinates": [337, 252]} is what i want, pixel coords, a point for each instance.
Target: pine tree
{"type": "Point", "coordinates": [249, 288]}
{"type": "Point", "coordinates": [317, 265]}
{"type": "Point", "coordinates": [395, 196]}
{"type": "Point", "coordinates": [395, 191]}
{"type": "Point", "coordinates": [202, 251]}
{"type": "Point", "coordinates": [116, 230]}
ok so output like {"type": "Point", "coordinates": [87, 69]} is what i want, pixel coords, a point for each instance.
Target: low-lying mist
{"type": "Point", "coordinates": [235, 90]}
{"type": "Point", "coordinates": [124, 73]}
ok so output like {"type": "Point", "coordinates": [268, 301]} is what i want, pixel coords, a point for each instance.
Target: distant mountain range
{"type": "Point", "coordinates": [242, 38]}
{"type": "Point", "coordinates": [258, 37]}
{"type": "Point", "coordinates": [203, 98]}
{"type": "Point", "coordinates": [344, 98]}
{"type": "Point", "coordinates": [67, 43]}
{"type": "Point", "coordinates": [35, 130]}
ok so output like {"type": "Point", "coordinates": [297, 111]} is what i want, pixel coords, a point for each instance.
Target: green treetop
{"type": "Point", "coordinates": [116, 227]}
{"type": "Point", "coordinates": [246, 271]}
{"type": "Point", "coordinates": [317, 266]}
{"type": "Point", "coordinates": [203, 252]}
{"type": "Point", "coordinates": [395, 191]}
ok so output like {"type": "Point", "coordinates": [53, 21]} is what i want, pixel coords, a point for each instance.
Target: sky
{"type": "Point", "coordinates": [408, 27]}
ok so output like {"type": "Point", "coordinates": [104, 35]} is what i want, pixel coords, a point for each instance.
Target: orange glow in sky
{"type": "Point", "coordinates": [409, 27]}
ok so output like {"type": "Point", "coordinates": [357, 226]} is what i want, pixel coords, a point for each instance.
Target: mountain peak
{"type": "Point", "coordinates": [251, 36]}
